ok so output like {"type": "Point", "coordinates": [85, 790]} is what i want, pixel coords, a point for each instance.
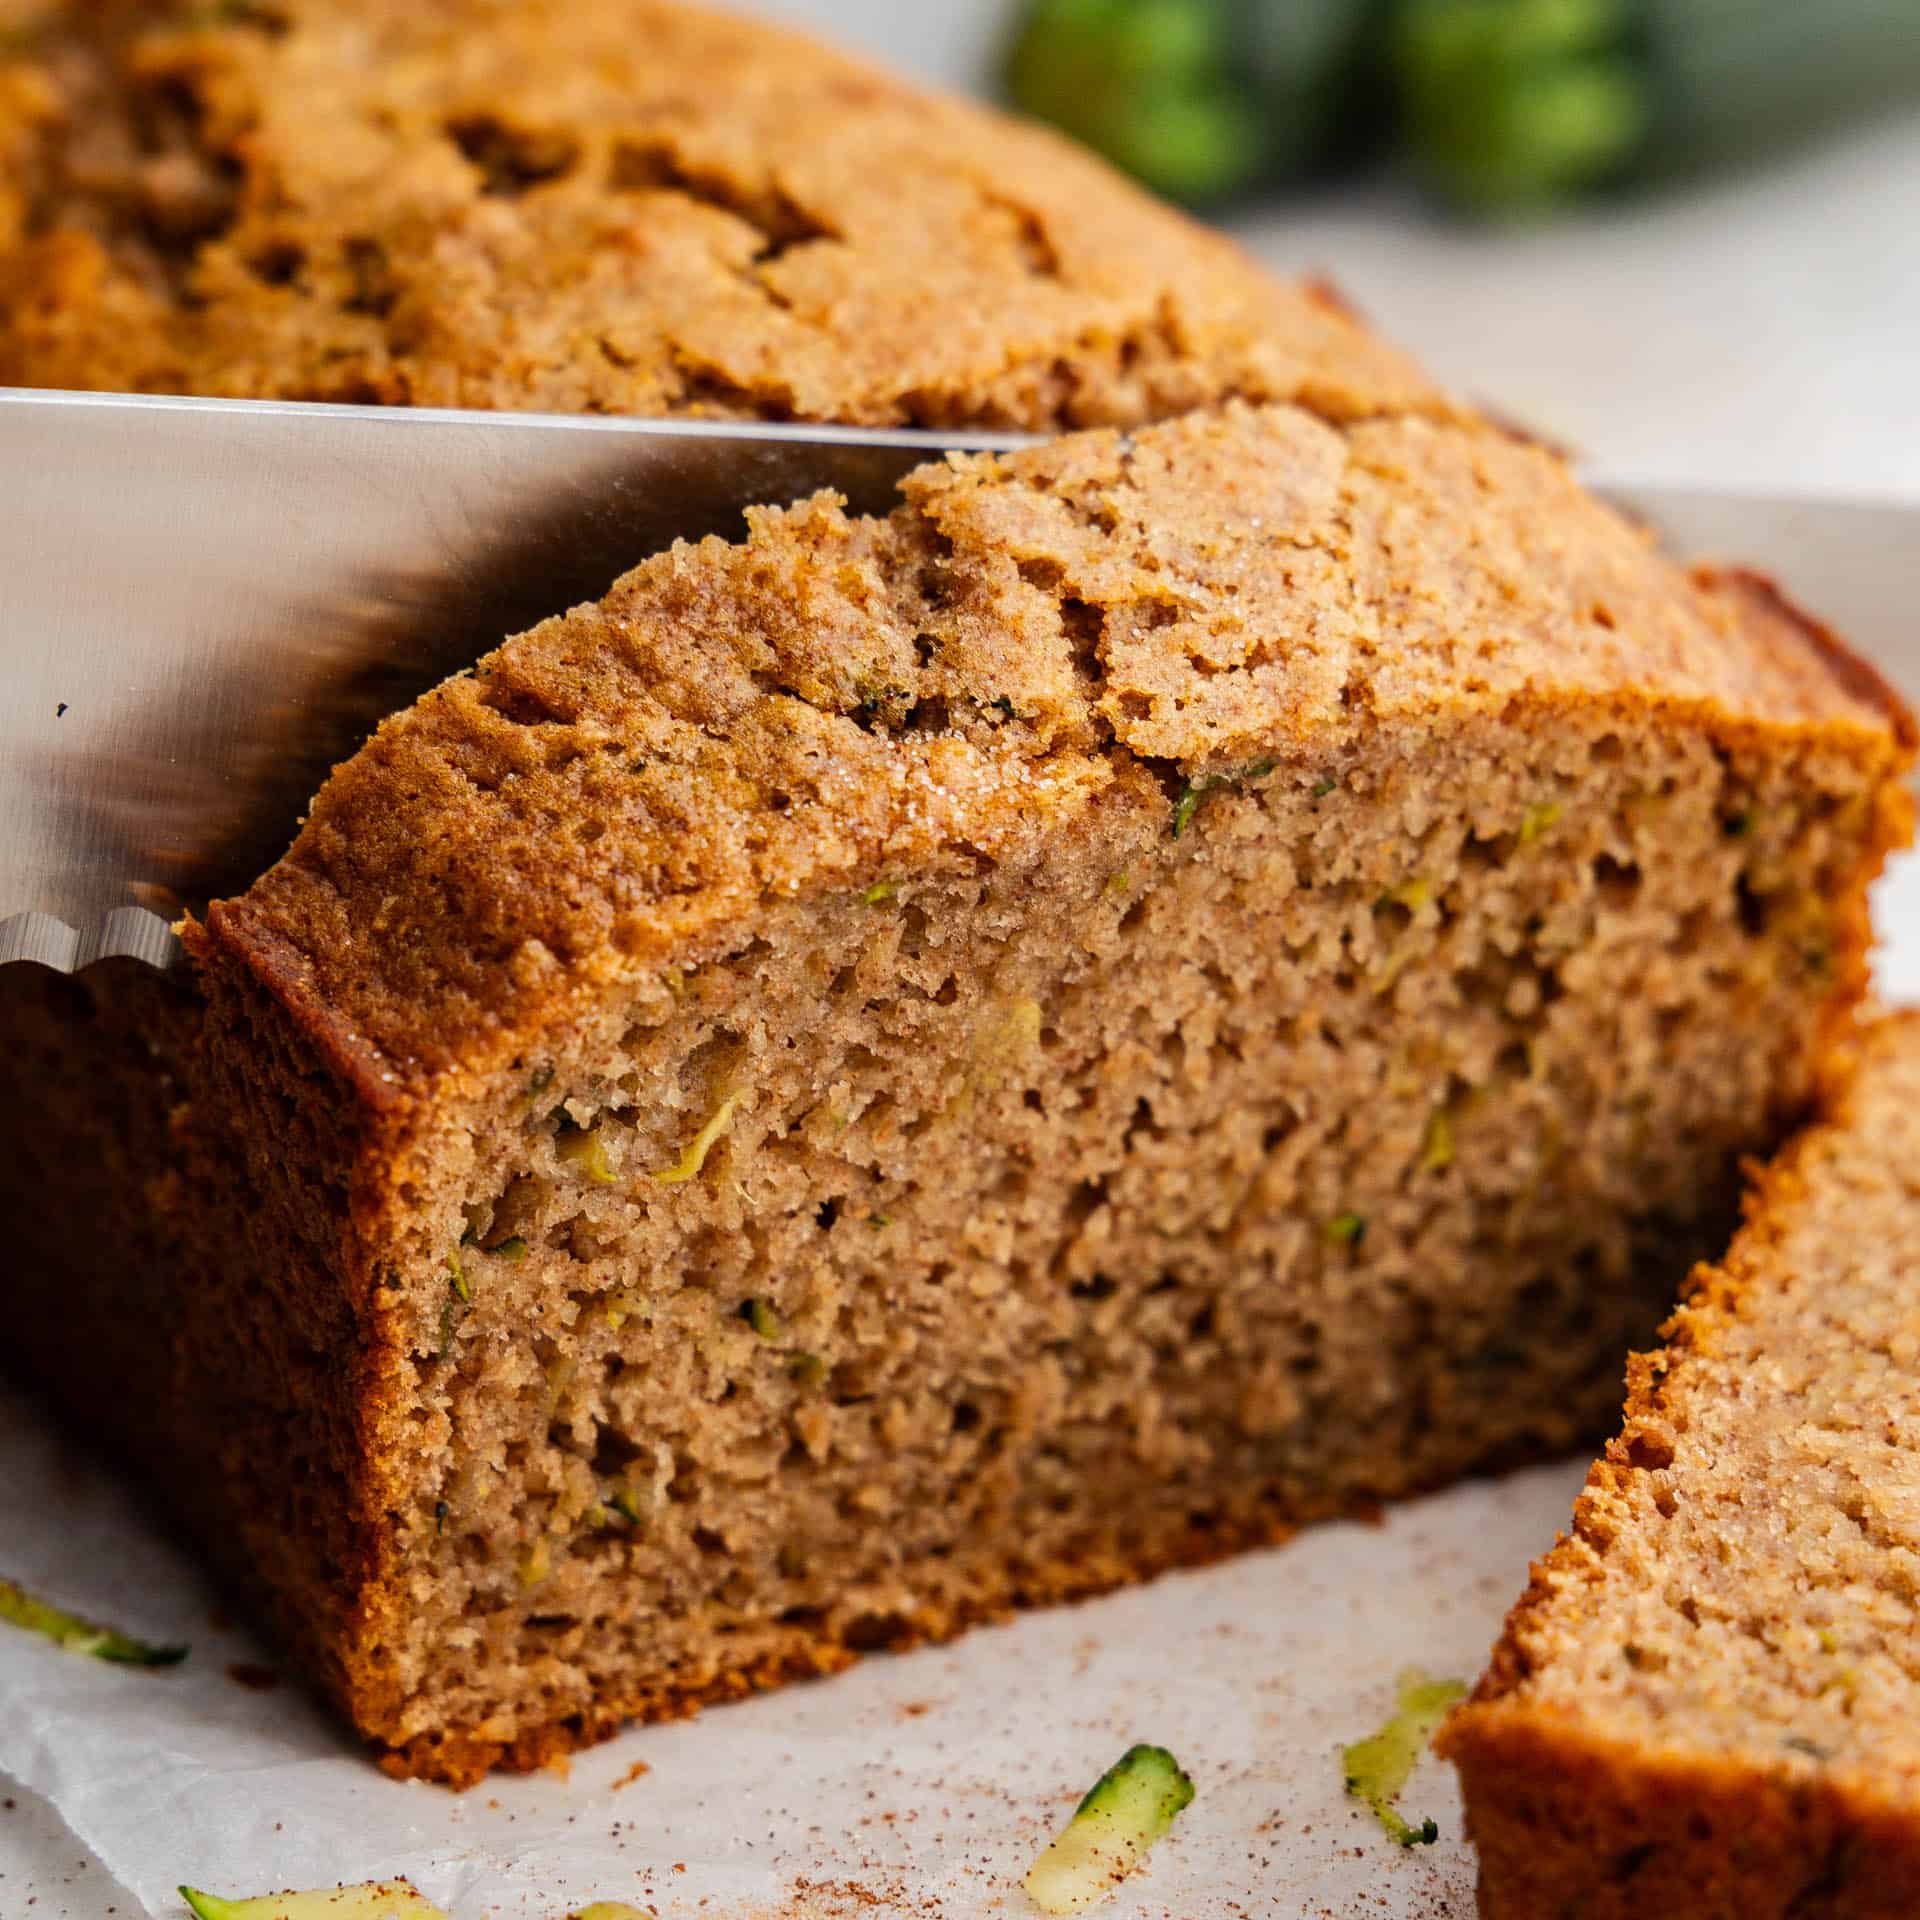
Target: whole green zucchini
{"type": "Point", "coordinates": [1201, 99]}
{"type": "Point", "coordinates": [1516, 105]}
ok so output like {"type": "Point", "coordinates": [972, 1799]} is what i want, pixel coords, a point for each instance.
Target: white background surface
{"type": "Point", "coordinates": [1766, 331]}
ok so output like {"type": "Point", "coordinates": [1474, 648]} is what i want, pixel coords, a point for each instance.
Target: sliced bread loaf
{"type": "Point", "coordinates": [1176, 985]}
{"type": "Point", "coordinates": [1180, 982]}
{"type": "Point", "coordinates": [1705, 1706]}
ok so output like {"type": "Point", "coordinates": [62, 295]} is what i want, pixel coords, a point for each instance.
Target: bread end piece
{"type": "Point", "coordinates": [1701, 1704]}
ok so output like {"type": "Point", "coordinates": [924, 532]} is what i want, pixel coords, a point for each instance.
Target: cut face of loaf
{"type": "Point", "coordinates": [1177, 985]}
{"type": "Point", "coordinates": [1706, 1703]}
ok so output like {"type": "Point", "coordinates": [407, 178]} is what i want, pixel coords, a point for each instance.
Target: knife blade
{"type": "Point", "coordinates": [1853, 561]}
{"type": "Point", "coordinates": [206, 604]}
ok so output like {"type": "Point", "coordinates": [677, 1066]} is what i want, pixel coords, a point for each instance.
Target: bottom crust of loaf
{"type": "Point", "coordinates": [458, 1758]}
{"type": "Point", "coordinates": [1571, 1826]}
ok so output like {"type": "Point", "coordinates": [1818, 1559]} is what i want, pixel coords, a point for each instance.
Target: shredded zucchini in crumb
{"type": "Point", "coordinates": [1195, 791]}
{"type": "Point", "coordinates": [375, 1900]}
{"type": "Point", "coordinates": [1538, 820]}
{"type": "Point", "coordinates": [1377, 1767]}
{"type": "Point", "coordinates": [457, 1277]}
{"type": "Point", "coordinates": [1412, 894]}
{"type": "Point", "coordinates": [20, 1608]}
{"type": "Point", "coordinates": [694, 1157]}
{"type": "Point", "coordinates": [881, 890]}
{"type": "Point", "coordinates": [583, 1149]}
{"type": "Point", "coordinates": [1436, 1148]}
{"type": "Point", "coordinates": [1128, 1808]}
{"type": "Point", "coordinates": [1346, 1229]}
{"type": "Point", "coordinates": [763, 1317]}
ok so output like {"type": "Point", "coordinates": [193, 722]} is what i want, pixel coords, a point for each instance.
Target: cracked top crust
{"type": "Point", "coordinates": [601, 205]}
{"type": "Point", "coordinates": [635, 206]}
{"type": "Point", "coordinates": [1084, 624]}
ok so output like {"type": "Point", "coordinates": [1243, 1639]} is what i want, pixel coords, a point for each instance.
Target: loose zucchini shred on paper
{"type": "Point", "coordinates": [1377, 1767]}
{"type": "Point", "coordinates": [68, 1630]}
{"type": "Point", "coordinates": [373, 1900]}
{"type": "Point", "coordinates": [1129, 1807]}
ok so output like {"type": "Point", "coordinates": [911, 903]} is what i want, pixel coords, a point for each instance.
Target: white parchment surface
{"type": "Point", "coordinates": [919, 1784]}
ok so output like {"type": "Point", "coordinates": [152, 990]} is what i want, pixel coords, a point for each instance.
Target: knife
{"type": "Point", "coordinates": [207, 604]}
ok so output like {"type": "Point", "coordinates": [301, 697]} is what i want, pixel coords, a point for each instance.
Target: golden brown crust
{"type": "Point", "coordinates": [1778, 615]}
{"type": "Point", "coordinates": [1571, 1826]}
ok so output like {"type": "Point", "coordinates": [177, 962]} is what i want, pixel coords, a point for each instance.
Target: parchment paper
{"type": "Point", "coordinates": [919, 1784]}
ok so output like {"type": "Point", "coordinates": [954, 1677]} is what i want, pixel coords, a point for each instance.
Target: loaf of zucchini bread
{"type": "Point", "coordinates": [1201, 975]}
{"type": "Point", "coordinates": [1704, 1707]}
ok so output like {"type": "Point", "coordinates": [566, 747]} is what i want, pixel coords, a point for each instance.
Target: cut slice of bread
{"type": "Point", "coordinates": [1705, 1706]}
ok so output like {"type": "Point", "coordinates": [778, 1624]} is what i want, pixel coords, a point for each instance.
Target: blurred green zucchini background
{"type": "Point", "coordinates": [1500, 107]}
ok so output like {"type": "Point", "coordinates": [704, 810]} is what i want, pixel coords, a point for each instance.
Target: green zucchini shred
{"type": "Point", "coordinates": [1121, 1815]}
{"type": "Point", "coordinates": [1538, 820]}
{"type": "Point", "coordinates": [374, 1900]}
{"type": "Point", "coordinates": [20, 1608]}
{"type": "Point", "coordinates": [583, 1149]}
{"type": "Point", "coordinates": [763, 1317]}
{"type": "Point", "coordinates": [1346, 1229]}
{"type": "Point", "coordinates": [1185, 807]}
{"type": "Point", "coordinates": [694, 1156]}
{"type": "Point", "coordinates": [1377, 1768]}
{"type": "Point", "coordinates": [1412, 894]}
